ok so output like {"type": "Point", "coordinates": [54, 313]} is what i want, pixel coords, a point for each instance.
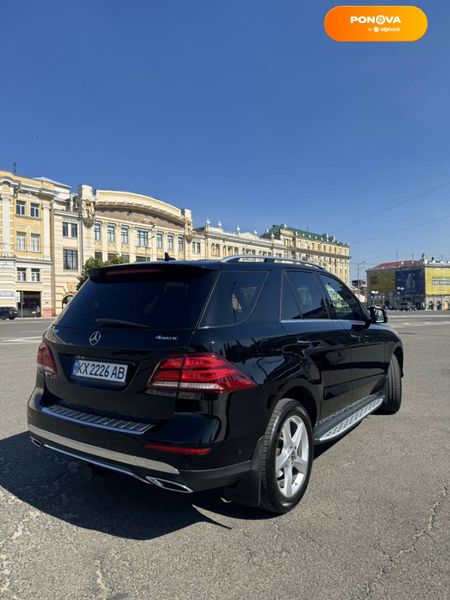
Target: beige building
{"type": "Point", "coordinates": [105, 223]}
{"type": "Point", "coordinates": [47, 233]}
{"type": "Point", "coordinates": [26, 262]}
{"type": "Point", "coordinates": [281, 241]}
{"type": "Point", "coordinates": [322, 249]}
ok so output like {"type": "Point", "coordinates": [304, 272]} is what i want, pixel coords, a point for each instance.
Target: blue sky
{"type": "Point", "coordinates": [241, 110]}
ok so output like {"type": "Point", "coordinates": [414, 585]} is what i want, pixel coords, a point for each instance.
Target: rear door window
{"type": "Point", "coordinates": [234, 297]}
{"type": "Point", "coordinates": [166, 298]}
{"type": "Point", "coordinates": [308, 295]}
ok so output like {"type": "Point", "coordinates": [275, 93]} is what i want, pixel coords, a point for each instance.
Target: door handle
{"type": "Point", "coordinates": [355, 338]}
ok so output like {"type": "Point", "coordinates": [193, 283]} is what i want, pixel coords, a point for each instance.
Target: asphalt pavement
{"type": "Point", "coordinates": [374, 522]}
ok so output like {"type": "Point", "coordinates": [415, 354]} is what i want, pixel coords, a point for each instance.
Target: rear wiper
{"type": "Point", "coordinates": [120, 323]}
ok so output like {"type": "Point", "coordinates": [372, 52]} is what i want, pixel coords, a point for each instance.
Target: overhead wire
{"type": "Point", "coordinates": [381, 235]}
{"type": "Point", "coordinates": [391, 206]}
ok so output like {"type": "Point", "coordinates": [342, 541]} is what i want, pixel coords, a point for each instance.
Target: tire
{"type": "Point", "coordinates": [279, 491]}
{"type": "Point", "coordinates": [393, 389]}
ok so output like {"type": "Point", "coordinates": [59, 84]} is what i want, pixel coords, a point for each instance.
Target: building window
{"type": "Point", "coordinates": [196, 249]}
{"type": "Point", "coordinates": [70, 230]}
{"type": "Point", "coordinates": [35, 275]}
{"type": "Point", "coordinates": [21, 241]}
{"type": "Point", "coordinates": [124, 235]}
{"type": "Point", "coordinates": [35, 242]}
{"type": "Point", "coordinates": [21, 274]}
{"type": "Point", "coordinates": [126, 257]}
{"type": "Point", "coordinates": [111, 255]}
{"type": "Point", "coordinates": [70, 260]}
{"type": "Point", "coordinates": [180, 243]}
{"type": "Point", "coordinates": [98, 255]}
{"type": "Point", "coordinates": [140, 259]}
{"type": "Point", "coordinates": [170, 241]}
{"type": "Point", "coordinates": [111, 233]}
{"type": "Point", "coordinates": [159, 239]}
{"type": "Point", "coordinates": [142, 237]}
{"type": "Point", "coordinates": [97, 231]}
{"type": "Point", "coordinates": [34, 210]}
{"type": "Point", "coordinates": [20, 208]}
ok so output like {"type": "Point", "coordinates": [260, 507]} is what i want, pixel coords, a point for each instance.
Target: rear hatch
{"type": "Point", "coordinates": [118, 327]}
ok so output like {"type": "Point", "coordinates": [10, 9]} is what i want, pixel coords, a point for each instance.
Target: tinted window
{"type": "Point", "coordinates": [343, 304]}
{"type": "Point", "coordinates": [289, 307]}
{"type": "Point", "coordinates": [168, 299]}
{"type": "Point", "coordinates": [234, 297]}
{"type": "Point", "coordinates": [308, 294]}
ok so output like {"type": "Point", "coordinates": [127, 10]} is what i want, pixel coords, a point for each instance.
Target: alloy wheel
{"type": "Point", "coordinates": [292, 456]}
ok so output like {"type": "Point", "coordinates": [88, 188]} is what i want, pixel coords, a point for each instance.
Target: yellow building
{"type": "Point", "coordinates": [25, 242]}
{"type": "Point", "coordinates": [47, 233]}
{"type": "Point", "coordinates": [421, 282]}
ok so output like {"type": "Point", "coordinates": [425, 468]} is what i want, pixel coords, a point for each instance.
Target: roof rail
{"type": "Point", "coordinates": [269, 259]}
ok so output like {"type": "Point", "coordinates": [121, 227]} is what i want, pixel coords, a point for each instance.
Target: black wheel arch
{"type": "Point", "coordinates": [305, 394]}
{"type": "Point", "coordinates": [398, 353]}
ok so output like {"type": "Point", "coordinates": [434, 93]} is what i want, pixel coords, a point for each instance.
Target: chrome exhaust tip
{"type": "Point", "coordinates": [171, 486]}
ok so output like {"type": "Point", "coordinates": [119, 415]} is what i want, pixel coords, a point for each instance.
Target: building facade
{"type": "Point", "coordinates": [323, 249]}
{"type": "Point", "coordinates": [26, 261]}
{"type": "Point", "coordinates": [47, 233]}
{"type": "Point", "coordinates": [105, 223]}
{"type": "Point", "coordinates": [421, 282]}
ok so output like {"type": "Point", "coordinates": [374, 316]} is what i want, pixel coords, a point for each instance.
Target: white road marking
{"type": "Point", "coordinates": [21, 340]}
{"type": "Point", "coordinates": [426, 324]}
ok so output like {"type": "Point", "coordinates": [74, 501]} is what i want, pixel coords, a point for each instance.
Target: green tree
{"type": "Point", "coordinates": [95, 263]}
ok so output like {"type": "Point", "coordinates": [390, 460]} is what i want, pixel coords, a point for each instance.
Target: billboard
{"type": "Point", "coordinates": [412, 281]}
{"type": "Point", "coordinates": [382, 281]}
{"type": "Point", "coordinates": [437, 282]}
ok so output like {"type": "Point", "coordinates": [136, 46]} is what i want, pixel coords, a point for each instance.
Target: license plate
{"type": "Point", "coordinates": [93, 369]}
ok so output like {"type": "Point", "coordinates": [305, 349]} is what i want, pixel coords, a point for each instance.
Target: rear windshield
{"type": "Point", "coordinates": [170, 299]}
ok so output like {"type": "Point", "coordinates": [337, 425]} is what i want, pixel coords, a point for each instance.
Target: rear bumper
{"type": "Point", "coordinates": [147, 470]}
{"type": "Point", "coordinates": [126, 453]}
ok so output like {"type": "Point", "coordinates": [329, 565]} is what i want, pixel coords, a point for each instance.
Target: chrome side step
{"type": "Point", "coordinates": [350, 421]}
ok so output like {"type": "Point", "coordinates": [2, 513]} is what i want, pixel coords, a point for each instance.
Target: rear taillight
{"type": "Point", "coordinates": [199, 373]}
{"type": "Point", "coordinates": [45, 361]}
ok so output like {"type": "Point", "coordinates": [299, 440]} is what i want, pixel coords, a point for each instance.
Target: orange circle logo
{"type": "Point", "coordinates": [376, 23]}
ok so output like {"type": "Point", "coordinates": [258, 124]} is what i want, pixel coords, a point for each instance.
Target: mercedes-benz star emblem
{"type": "Point", "coordinates": [94, 338]}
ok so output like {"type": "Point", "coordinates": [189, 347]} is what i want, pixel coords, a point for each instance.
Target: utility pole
{"type": "Point", "coordinates": [358, 265]}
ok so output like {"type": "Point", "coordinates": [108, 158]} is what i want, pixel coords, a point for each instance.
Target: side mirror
{"type": "Point", "coordinates": [378, 315]}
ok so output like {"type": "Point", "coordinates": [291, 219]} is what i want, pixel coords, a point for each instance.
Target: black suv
{"type": "Point", "coordinates": [8, 312]}
{"type": "Point", "coordinates": [212, 374]}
